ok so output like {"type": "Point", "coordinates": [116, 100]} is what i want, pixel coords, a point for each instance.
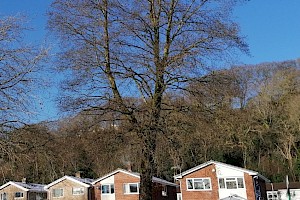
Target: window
{"type": "Point", "coordinates": [272, 195]}
{"type": "Point", "coordinates": [77, 190]}
{"type": "Point", "coordinates": [198, 184]}
{"type": "Point", "coordinates": [58, 192]}
{"type": "Point", "coordinates": [231, 183]}
{"type": "Point", "coordinates": [41, 196]}
{"type": "Point", "coordinates": [164, 191]}
{"type": "Point", "coordinates": [107, 189]}
{"type": "Point", "coordinates": [222, 183]}
{"type": "Point", "coordinates": [131, 188]}
{"type": "Point", "coordinates": [3, 196]}
{"type": "Point", "coordinates": [179, 196]}
{"type": "Point", "coordinates": [19, 195]}
{"type": "Point", "coordinates": [240, 182]}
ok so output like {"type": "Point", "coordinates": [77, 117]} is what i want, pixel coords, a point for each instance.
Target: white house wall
{"type": "Point", "coordinates": [295, 194]}
{"type": "Point", "coordinates": [223, 171]}
{"type": "Point", "coordinates": [227, 172]}
{"type": "Point", "coordinates": [109, 180]}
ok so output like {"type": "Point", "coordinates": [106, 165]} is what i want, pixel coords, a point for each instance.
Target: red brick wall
{"type": "Point", "coordinates": [120, 179]}
{"type": "Point", "coordinates": [97, 192]}
{"type": "Point", "coordinates": [249, 186]}
{"type": "Point", "coordinates": [213, 194]}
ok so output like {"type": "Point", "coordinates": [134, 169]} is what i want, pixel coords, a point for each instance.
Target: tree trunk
{"type": "Point", "coordinates": [148, 167]}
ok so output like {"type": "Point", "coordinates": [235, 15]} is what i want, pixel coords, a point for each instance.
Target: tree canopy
{"type": "Point", "coordinates": [118, 53]}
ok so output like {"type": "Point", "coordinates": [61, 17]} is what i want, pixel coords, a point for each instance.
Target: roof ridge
{"type": "Point", "coordinates": [205, 164]}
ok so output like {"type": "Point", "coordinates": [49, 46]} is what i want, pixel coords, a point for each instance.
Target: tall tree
{"type": "Point", "coordinates": [19, 63]}
{"type": "Point", "coordinates": [123, 57]}
{"type": "Point", "coordinates": [277, 113]}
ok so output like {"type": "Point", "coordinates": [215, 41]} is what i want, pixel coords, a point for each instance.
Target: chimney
{"type": "Point", "coordinates": [23, 180]}
{"type": "Point", "coordinates": [129, 166]}
{"type": "Point", "coordinates": [78, 174]}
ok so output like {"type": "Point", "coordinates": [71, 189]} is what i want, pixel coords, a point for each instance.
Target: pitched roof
{"type": "Point", "coordinates": [250, 172]}
{"type": "Point", "coordinates": [135, 174]}
{"type": "Point", "coordinates": [86, 182]}
{"type": "Point", "coordinates": [164, 182]}
{"type": "Point", "coordinates": [83, 180]}
{"type": "Point", "coordinates": [31, 187]}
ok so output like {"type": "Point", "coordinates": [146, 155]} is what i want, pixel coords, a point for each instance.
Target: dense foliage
{"type": "Point", "coordinates": [248, 116]}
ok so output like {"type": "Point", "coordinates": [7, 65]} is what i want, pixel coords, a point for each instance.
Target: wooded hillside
{"type": "Point", "coordinates": [248, 116]}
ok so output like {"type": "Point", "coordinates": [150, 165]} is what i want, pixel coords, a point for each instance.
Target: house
{"type": "Point", "coordinates": [124, 185]}
{"type": "Point", "coordinates": [215, 180]}
{"type": "Point", "coordinates": [276, 191]}
{"type": "Point", "coordinates": [22, 191]}
{"type": "Point", "coordinates": [70, 187]}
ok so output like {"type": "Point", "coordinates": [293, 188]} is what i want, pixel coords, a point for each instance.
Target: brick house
{"type": "Point", "coordinates": [22, 191]}
{"type": "Point", "coordinates": [215, 180]}
{"type": "Point", "coordinates": [124, 185]}
{"type": "Point", "coordinates": [70, 188]}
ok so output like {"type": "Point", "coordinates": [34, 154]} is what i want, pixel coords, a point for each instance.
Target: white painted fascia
{"type": "Point", "coordinates": [178, 176]}
{"type": "Point", "coordinates": [14, 184]}
{"type": "Point", "coordinates": [114, 172]}
{"type": "Point", "coordinates": [64, 178]}
{"type": "Point", "coordinates": [137, 175]}
{"type": "Point", "coordinates": [250, 172]}
{"type": "Point", "coordinates": [163, 182]}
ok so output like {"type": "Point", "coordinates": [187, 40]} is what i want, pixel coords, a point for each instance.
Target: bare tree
{"type": "Point", "coordinates": [18, 66]}
{"type": "Point", "coordinates": [275, 109]}
{"type": "Point", "coordinates": [19, 63]}
{"type": "Point", "coordinates": [123, 57]}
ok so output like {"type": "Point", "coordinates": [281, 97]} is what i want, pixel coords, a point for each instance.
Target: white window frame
{"type": "Point", "coordinates": [126, 188]}
{"type": "Point", "coordinates": [80, 191]}
{"type": "Point", "coordinates": [40, 196]}
{"type": "Point", "coordinates": [193, 184]}
{"type": "Point", "coordinates": [57, 189]}
{"type": "Point", "coordinates": [20, 197]}
{"type": "Point", "coordinates": [164, 191]}
{"type": "Point", "coordinates": [272, 193]}
{"type": "Point", "coordinates": [226, 180]}
{"type": "Point", "coordinates": [179, 196]}
{"type": "Point", "coordinates": [111, 188]}
{"type": "Point", "coordinates": [3, 196]}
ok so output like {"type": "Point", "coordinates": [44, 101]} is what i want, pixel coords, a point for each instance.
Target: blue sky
{"type": "Point", "coordinates": [37, 19]}
{"type": "Point", "coordinates": [271, 28]}
{"type": "Point", "coordinates": [34, 9]}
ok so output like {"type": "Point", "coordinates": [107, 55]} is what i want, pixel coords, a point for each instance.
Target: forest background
{"type": "Point", "coordinates": [245, 115]}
